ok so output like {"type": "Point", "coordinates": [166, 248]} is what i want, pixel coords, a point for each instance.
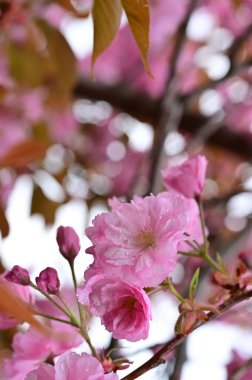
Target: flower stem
{"type": "Point", "coordinates": [205, 253]}
{"type": "Point", "coordinates": [71, 263]}
{"type": "Point", "coordinates": [174, 291]}
{"type": "Point", "coordinates": [83, 330]}
{"type": "Point", "coordinates": [189, 253]}
{"type": "Point", "coordinates": [51, 300]}
{"type": "Point", "coordinates": [70, 311]}
{"type": "Point", "coordinates": [54, 318]}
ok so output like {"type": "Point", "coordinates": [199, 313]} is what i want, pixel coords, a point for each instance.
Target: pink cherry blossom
{"type": "Point", "coordinates": [138, 241]}
{"type": "Point", "coordinates": [187, 178]}
{"type": "Point", "coordinates": [125, 309]}
{"type": "Point", "coordinates": [236, 363]}
{"type": "Point", "coordinates": [44, 372]}
{"type": "Point", "coordinates": [30, 349]}
{"type": "Point", "coordinates": [71, 366]}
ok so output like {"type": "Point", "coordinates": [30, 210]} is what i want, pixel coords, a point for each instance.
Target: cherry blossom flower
{"type": "Point", "coordinates": [138, 241]}
{"type": "Point", "coordinates": [71, 366]}
{"type": "Point", "coordinates": [125, 309]}
{"type": "Point", "coordinates": [30, 349]}
{"type": "Point", "coordinates": [187, 178]}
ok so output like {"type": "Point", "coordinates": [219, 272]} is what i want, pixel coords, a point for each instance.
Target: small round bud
{"type": "Point", "coordinates": [48, 281]}
{"type": "Point", "coordinates": [18, 275]}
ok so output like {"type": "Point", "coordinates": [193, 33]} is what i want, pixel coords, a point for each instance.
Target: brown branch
{"type": "Point", "coordinates": [142, 107]}
{"type": "Point", "coordinates": [171, 107]}
{"type": "Point", "coordinates": [158, 358]}
{"type": "Point", "coordinates": [121, 96]}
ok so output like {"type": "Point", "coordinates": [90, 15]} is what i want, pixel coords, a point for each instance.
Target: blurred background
{"type": "Point", "coordinates": [68, 143]}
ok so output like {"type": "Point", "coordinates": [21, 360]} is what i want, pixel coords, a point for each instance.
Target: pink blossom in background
{"type": "Point", "coordinates": [54, 14]}
{"type": "Point", "coordinates": [125, 309]}
{"type": "Point", "coordinates": [138, 241]}
{"type": "Point", "coordinates": [239, 116]}
{"type": "Point", "coordinates": [236, 363]}
{"type": "Point", "coordinates": [20, 291]}
{"type": "Point", "coordinates": [30, 349]}
{"type": "Point", "coordinates": [62, 125]}
{"type": "Point", "coordinates": [187, 178]}
{"type": "Point", "coordinates": [235, 16]}
{"type": "Point", "coordinates": [44, 372]}
{"type": "Point", "coordinates": [71, 366]}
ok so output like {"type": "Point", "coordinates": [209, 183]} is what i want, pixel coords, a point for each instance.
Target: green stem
{"type": "Point", "coordinates": [203, 225]}
{"type": "Point", "coordinates": [189, 253]}
{"type": "Point", "coordinates": [205, 254]}
{"type": "Point", "coordinates": [70, 311]}
{"type": "Point", "coordinates": [210, 261]}
{"type": "Point", "coordinates": [51, 300]}
{"type": "Point", "coordinates": [192, 245]}
{"type": "Point", "coordinates": [71, 263]}
{"type": "Point", "coordinates": [85, 335]}
{"type": "Point", "coordinates": [54, 318]}
{"type": "Point", "coordinates": [174, 291]}
{"type": "Point", "coordinates": [83, 330]}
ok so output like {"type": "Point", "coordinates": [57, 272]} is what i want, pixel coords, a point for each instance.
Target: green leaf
{"type": "Point", "coordinates": [106, 18]}
{"type": "Point", "coordinates": [220, 261]}
{"type": "Point", "coordinates": [194, 283]}
{"type": "Point", "coordinates": [137, 12]}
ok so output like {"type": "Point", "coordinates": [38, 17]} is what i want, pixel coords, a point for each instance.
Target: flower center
{"type": "Point", "coordinates": [146, 239]}
{"type": "Point", "coordinates": [129, 303]}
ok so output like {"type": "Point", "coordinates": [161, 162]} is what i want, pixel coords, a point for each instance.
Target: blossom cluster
{"type": "Point", "coordinates": [134, 249]}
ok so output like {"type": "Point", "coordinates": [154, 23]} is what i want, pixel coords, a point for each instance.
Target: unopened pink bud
{"type": "Point", "coordinates": [48, 281]}
{"type": "Point", "coordinates": [68, 242]}
{"type": "Point", "coordinates": [18, 275]}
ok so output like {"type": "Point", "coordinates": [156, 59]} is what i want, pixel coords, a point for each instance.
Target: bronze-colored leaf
{"type": "Point", "coordinates": [61, 65]}
{"type": "Point", "coordinates": [27, 66]}
{"type": "Point", "coordinates": [43, 206]}
{"type": "Point", "coordinates": [106, 17]}
{"type": "Point", "coordinates": [138, 16]}
{"type": "Point", "coordinates": [24, 153]}
{"type": "Point", "coordinates": [15, 307]}
{"type": "Point", "coordinates": [4, 225]}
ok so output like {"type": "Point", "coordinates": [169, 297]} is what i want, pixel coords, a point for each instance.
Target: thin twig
{"type": "Point", "coordinates": [158, 358]}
